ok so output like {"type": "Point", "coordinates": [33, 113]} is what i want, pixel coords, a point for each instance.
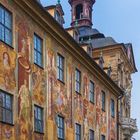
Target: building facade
{"type": "Point", "coordinates": [51, 87]}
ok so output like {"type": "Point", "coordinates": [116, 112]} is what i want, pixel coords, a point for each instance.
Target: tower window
{"type": "Point", "coordinates": [79, 11]}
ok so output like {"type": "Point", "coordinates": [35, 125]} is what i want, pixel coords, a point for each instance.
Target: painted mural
{"type": "Point", "coordinates": [39, 83]}
{"type": "Point", "coordinates": [8, 65]}
{"type": "Point", "coordinates": [40, 86]}
{"type": "Point", "coordinates": [24, 69]}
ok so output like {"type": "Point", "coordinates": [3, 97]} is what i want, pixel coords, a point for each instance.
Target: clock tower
{"type": "Point", "coordinates": [81, 12]}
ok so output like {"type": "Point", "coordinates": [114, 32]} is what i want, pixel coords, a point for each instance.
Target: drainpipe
{"type": "Point", "coordinates": [118, 117]}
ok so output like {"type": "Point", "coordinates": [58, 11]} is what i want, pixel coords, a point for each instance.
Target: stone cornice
{"type": "Point", "coordinates": [120, 47]}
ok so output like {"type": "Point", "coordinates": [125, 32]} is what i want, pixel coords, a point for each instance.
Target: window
{"type": "Point", "coordinates": [79, 11]}
{"type": "Point", "coordinates": [112, 108]}
{"type": "Point", "coordinates": [121, 109]}
{"type": "Point", "coordinates": [60, 67]}
{"type": "Point", "coordinates": [6, 111]}
{"type": "Point", "coordinates": [78, 131]}
{"type": "Point", "coordinates": [5, 26]}
{"type": "Point", "coordinates": [60, 128]}
{"type": "Point", "coordinates": [101, 62]}
{"type": "Point", "coordinates": [77, 81]}
{"type": "Point", "coordinates": [38, 119]}
{"type": "Point", "coordinates": [103, 100]}
{"type": "Point", "coordinates": [102, 137]}
{"type": "Point", "coordinates": [58, 17]}
{"type": "Point", "coordinates": [38, 51]}
{"type": "Point", "coordinates": [91, 135]}
{"type": "Point", "coordinates": [91, 92]}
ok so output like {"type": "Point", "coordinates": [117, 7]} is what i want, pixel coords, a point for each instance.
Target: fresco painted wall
{"type": "Point", "coordinates": [30, 84]}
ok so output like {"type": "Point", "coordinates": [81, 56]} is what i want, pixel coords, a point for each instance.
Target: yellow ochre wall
{"type": "Point", "coordinates": [45, 90]}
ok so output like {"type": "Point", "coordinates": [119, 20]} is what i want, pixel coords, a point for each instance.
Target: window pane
{"type": "Point", "coordinates": [38, 115]}
{"type": "Point", "coordinates": [3, 115]}
{"type": "Point", "coordinates": [58, 61]}
{"type": "Point", "coordinates": [8, 37]}
{"type": "Point", "coordinates": [35, 56]}
{"type": "Point", "coordinates": [112, 108]}
{"type": "Point", "coordinates": [103, 100]}
{"type": "Point", "coordinates": [35, 112]}
{"type": "Point", "coordinates": [8, 116]}
{"type": "Point", "coordinates": [8, 20]}
{"type": "Point", "coordinates": [60, 129]}
{"type": "Point", "coordinates": [2, 32]}
{"type": "Point", "coordinates": [60, 67]}
{"type": "Point", "coordinates": [78, 132]}
{"type": "Point", "coordinates": [39, 57]}
{"type": "Point", "coordinates": [1, 15]}
{"type": "Point", "coordinates": [8, 102]}
{"type": "Point", "coordinates": [5, 26]}
{"type": "Point", "coordinates": [61, 75]}
{"type": "Point", "coordinates": [91, 137]}
{"type": "Point", "coordinates": [38, 52]}
{"type": "Point", "coordinates": [61, 62]}
{"type": "Point", "coordinates": [3, 99]}
{"type": "Point", "coordinates": [39, 45]}
{"type": "Point", "coordinates": [0, 113]}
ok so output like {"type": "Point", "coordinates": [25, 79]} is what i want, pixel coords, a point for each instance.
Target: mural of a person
{"type": "Point", "coordinates": [24, 96]}
{"type": "Point", "coordinates": [8, 71]}
{"type": "Point", "coordinates": [24, 111]}
{"type": "Point", "coordinates": [85, 128]}
{"type": "Point", "coordinates": [98, 105]}
{"type": "Point", "coordinates": [8, 132]}
{"type": "Point", "coordinates": [23, 58]}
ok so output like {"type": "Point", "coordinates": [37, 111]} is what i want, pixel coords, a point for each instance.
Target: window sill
{"type": "Point", "coordinates": [103, 110]}
{"type": "Point", "coordinates": [39, 66]}
{"type": "Point", "coordinates": [92, 102]}
{"type": "Point", "coordinates": [6, 44]}
{"type": "Point", "coordinates": [41, 133]}
{"type": "Point", "coordinates": [113, 116]}
{"type": "Point", "coordinates": [78, 93]}
{"type": "Point", "coordinates": [61, 81]}
{"type": "Point", "coordinates": [6, 123]}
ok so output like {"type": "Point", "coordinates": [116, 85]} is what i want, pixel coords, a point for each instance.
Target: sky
{"type": "Point", "coordinates": [119, 19]}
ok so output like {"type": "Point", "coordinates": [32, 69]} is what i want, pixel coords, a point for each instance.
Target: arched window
{"type": "Point", "coordinates": [79, 11]}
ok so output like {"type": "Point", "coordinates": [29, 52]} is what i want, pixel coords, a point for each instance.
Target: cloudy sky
{"type": "Point", "coordinates": [121, 20]}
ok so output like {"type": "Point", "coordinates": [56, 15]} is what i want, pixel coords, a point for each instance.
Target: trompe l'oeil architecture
{"type": "Point", "coordinates": [62, 84]}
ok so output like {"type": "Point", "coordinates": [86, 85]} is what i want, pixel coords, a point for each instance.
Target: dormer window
{"type": "Point", "coordinates": [109, 71]}
{"type": "Point", "coordinates": [79, 11]}
{"type": "Point", "coordinates": [101, 62]}
{"type": "Point", "coordinates": [58, 17]}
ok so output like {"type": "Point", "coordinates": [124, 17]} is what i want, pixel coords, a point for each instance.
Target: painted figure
{"type": "Point", "coordinates": [24, 96]}
{"type": "Point", "coordinates": [22, 57]}
{"type": "Point", "coordinates": [8, 71]}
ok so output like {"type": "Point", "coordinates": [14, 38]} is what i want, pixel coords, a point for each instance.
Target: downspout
{"type": "Point", "coordinates": [118, 117]}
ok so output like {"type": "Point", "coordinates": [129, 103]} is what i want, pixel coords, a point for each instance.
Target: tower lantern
{"type": "Point", "coordinates": [81, 12]}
